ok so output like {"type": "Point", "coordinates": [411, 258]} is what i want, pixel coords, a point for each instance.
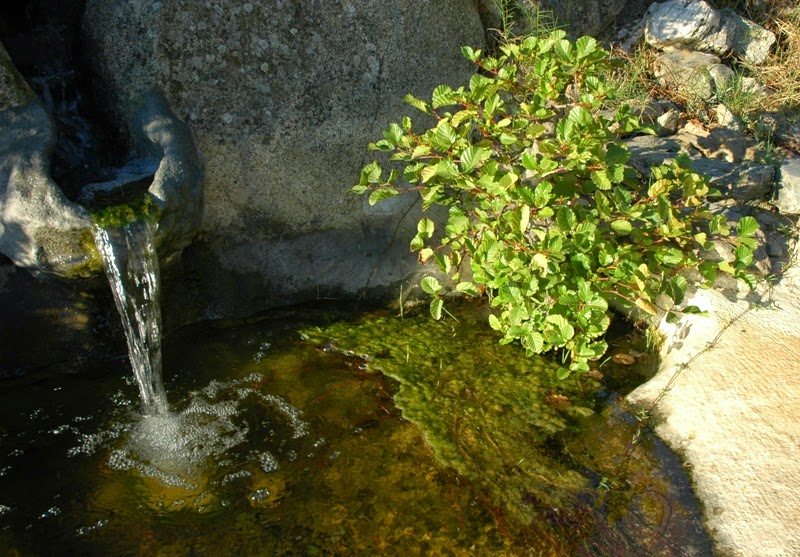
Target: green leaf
{"type": "Point", "coordinates": [425, 228]}
{"type": "Point", "coordinates": [563, 373]}
{"type": "Point", "coordinates": [622, 226]}
{"type": "Point", "coordinates": [445, 135]}
{"type": "Point", "coordinates": [430, 285]}
{"type": "Point", "coordinates": [566, 218]}
{"type": "Point", "coordinates": [419, 104]}
{"type": "Point", "coordinates": [473, 156]}
{"type": "Point", "coordinates": [585, 46]}
{"type": "Point", "coordinates": [744, 256]}
{"type": "Point", "coordinates": [467, 288]}
{"type": "Point", "coordinates": [580, 116]}
{"type": "Point", "coordinates": [559, 328]}
{"type": "Point", "coordinates": [442, 96]}
{"type": "Point", "coordinates": [494, 322]}
{"type": "Point", "coordinates": [380, 194]}
{"type": "Point", "coordinates": [601, 180]}
{"type": "Point", "coordinates": [747, 226]}
{"type": "Point", "coordinates": [436, 308]}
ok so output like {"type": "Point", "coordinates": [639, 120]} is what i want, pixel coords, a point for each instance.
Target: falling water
{"type": "Point", "coordinates": [131, 264]}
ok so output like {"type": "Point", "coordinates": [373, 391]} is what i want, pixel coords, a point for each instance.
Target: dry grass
{"type": "Point", "coordinates": [781, 71]}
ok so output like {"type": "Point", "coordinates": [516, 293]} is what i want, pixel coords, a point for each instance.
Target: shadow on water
{"type": "Point", "coordinates": [303, 434]}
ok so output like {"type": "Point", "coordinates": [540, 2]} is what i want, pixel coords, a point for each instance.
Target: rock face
{"type": "Point", "coordinates": [39, 227]}
{"type": "Point", "coordinates": [688, 25]}
{"type": "Point", "coordinates": [749, 40]}
{"type": "Point", "coordinates": [695, 74]}
{"type": "Point", "coordinates": [733, 414]}
{"type": "Point", "coordinates": [282, 98]}
{"type": "Point", "coordinates": [788, 198]}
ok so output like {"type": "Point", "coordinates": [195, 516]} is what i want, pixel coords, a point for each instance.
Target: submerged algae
{"type": "Point", "coordinates": [486, 410]}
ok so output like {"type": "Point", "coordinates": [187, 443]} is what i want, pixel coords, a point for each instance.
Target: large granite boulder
{"type": "Point", "coordinates": [282, 99]}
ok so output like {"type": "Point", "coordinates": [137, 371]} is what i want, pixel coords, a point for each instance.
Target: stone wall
{"type": "Point", "coordinates": [282, 99]}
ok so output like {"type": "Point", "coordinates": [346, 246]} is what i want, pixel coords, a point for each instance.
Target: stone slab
{"type": "Point", "coordinates": [734, 414]}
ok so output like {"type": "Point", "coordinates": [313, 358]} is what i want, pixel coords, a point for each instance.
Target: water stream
{"type": "Point", "coordinates": [131, 265]}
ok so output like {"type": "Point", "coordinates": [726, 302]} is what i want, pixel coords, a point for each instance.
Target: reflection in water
{"type": "Point", "coordinates": [278, 446]}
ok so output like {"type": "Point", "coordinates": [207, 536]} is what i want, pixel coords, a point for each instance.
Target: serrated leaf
{"type": "Point", "coordinates": [747, 226]}
{"type": "Point", "coordinates": [566, 219]}
{"type": "Point", "coordinates": [425, 228]}
{"type": "Point", "coordinates": [601, 180]}
{"type": "Point", "coordinates": [380, 194]}
{"type": "Point", "coordinates": [744, 256]}
{"type": "Point", "coordinates": [563, 373]}
{"type": "Point", "coordinates": [494, 322]}
{"type": "Point", "coordinates": [442, 96]}
{"type": "Point", "coordinates": [358, 189]}
{"type": "Point", "coordinates": [585, 46]}
{"type": "Point", "coordinates": [430, 285]}
{"type": "Point", "coordinates": [467, 288]}
{"type": "Point", "coordinates": [419, 104]}
{"type": "Point", "coordinates": [445, 135]}
{"type": "Point", "coordinates": [622, 226]}
{"type": "Point", "coordinates": [580, 116]}
{"type": "Point", "coordinates": [436, 308]}
{"type": "Point", "coordinates": [425, 254]}
{"type": "Point", "coordinates": [560, 329]}
{"type": "Point", "coordinates": [473, 156]}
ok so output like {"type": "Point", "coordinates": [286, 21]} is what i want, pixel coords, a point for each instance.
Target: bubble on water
{"type": "Point", "coordinates": [84, 530]}
{"type": "Point", "coordinates": [4, 509]}
{"type": "Point", "coordinates": [268, 462]}
{"type": "Point", "coordinates": [233, 476]}
{"type": "Point", "coordinates": [52, 511]}
{"type": "Point", "coordinates": [260, 495]}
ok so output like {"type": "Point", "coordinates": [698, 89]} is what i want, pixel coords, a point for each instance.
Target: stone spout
{"type": "Point", "coordinates": [44, 231]}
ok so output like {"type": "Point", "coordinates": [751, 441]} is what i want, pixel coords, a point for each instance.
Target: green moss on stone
{"type": "Point", "coordinates": [143, 208]}
{"type": "Point", "coordinates": [486, 410]}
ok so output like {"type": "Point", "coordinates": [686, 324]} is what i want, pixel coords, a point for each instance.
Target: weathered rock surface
{"type": "Point", "coordinates": [733, 414]}
{"type": "Point", "coordinates": [743, 182]}
{"type": "Point", "coordinates": [39, 227]}
{"type": "Point", "coordinates": [694, 74]}
{"type": "Point", "coordinates": [749, 40]}
{"type": "Point", "coordinates": [14, 90]}
{"type": "Point", "coordinates": [688, 25]}
{"type": "Point", "coordinates": [720, 142]}
{"type": "Point", "coordinates": [788, 193]}
{"type": "Point", "coordinates": [282, 99]}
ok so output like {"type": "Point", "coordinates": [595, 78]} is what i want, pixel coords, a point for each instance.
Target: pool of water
{"type": "Point", "coordinates": [335, 431]}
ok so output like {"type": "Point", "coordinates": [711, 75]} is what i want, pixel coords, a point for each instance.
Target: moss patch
{"type": "Point", "coordinates": [487, 410]}
{"type": "Point", "coordinates": [143, 208]}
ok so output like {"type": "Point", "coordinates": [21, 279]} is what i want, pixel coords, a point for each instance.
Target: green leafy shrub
{"type": "Point", "coordinates": [544, 215]}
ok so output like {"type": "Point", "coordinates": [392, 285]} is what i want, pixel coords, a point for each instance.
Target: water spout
{"type": "Point", "coordinates": [131, 265]}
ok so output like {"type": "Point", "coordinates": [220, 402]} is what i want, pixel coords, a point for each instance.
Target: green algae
{"type": "Point", "coordinates": [487, 410]}
{"type": "Point", "coordinates": [143, 208]}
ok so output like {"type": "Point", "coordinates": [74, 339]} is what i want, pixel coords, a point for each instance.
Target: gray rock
{"type": "Point", "coordinates": [741, 182]}
{"type": "Point", "coordinates": [687, 24]}
{"type": "Point", "coordinates": [694, 74]}
{"type": "Point", "coordinates": [720, 142]}
{"type": "Point", "coordinates": [727, 118]}
{"type": "Point", "coordinates": [14, 90]}
{"type": "Point", "coordinates": [40, 228]}
{"type": "Point", "coordinates": [750, 41]}
{"type": "Point", "coordinates": [668, 123]}
{"type": "Point", "coordinates": [788, 193]}
{"type": "Point", "coordinates": [282, 99]}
